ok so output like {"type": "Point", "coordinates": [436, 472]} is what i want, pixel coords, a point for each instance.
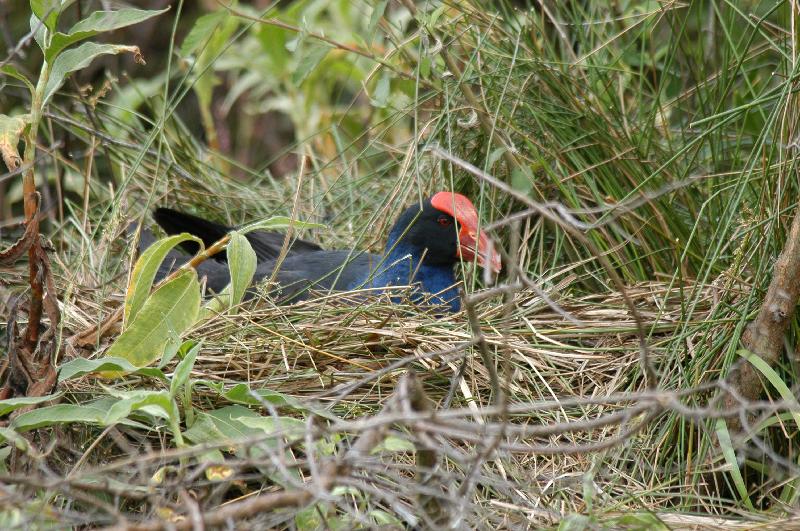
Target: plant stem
{"type": "Point", "coordinates": [31, 210]}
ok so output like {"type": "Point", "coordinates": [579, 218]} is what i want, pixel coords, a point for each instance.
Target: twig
{"type": "Point", "coordinates": [649, 371]}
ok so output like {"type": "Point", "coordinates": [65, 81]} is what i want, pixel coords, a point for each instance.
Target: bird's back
{"type": "Point", "coordinates": [266, 244]}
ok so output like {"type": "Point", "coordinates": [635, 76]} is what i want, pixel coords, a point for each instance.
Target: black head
{"type": "Point", "coordinates": [426, 231]}
{"type": "Point", "coordinates": [444, 230]}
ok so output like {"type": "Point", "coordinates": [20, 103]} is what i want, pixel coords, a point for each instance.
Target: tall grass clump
{"type": "Point", "coordinates": [635, 163]}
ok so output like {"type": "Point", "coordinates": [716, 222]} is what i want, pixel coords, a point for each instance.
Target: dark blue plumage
{"type": "Point", "coordinates": [422, 249]}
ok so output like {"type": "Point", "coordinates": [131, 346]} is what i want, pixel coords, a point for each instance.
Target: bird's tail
{"type": "Point", "coordinates": [174, 222]}
{"type": "Point", "coordinates": [174, 258]}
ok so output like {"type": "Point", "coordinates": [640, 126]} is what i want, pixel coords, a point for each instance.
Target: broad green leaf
{"type": "Point", "coordinates": [92, 413]}
{"type": "Point", "coordinates": [10, 404]}
{"type": "Point", "coordinates": [11, 71]}
{"type": "Point", "coordinates": [10, 129]}
{"type": "Point", "coordinates": [312, 55]}
{"type": "Point", "coordinates": [81, 57]}
{"type": "Point", "coordinates": [156, 403]}
{"type": "Point", "coordinates": [205, 430]}
{"type": "Point", "coordinates": [145, 270]}
{"type": "Point", "coordinates": [97, 22]}
{"type": "Point", "coordinates": [222, 425]}
{"type": "Point", "coordinates": [242, 394]}
{"type": "Point", "coordinates": [183, 370]}
{"type": "Point", "coordinates": [48, 11]}
{"type": "Point", "coordinates": [227, 424]}
{"type": "Point", "coordinates": [273, 45]}
{"type": "Point", "coordinates": [39, 30]}
{"type": "Point", "coordinates": [168, 312]}
{"type": "Point", "coordinates": [242, 265]}
{"type": "Point", "coordinates": [286, 427]}
{"type": "Point", "coordinates": [81, 366]}
{"type": "Point", "coordinates": [201, 31]}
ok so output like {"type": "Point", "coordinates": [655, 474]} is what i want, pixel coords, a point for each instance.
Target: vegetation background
{"type": "Point", "coordinates": [635, 160]}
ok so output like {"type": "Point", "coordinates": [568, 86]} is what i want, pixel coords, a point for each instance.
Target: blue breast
{"type": "Point", "coordinates": [401, 268]}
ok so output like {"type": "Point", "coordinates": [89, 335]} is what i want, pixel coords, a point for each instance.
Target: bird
{"type": "Point", "coordinates": [266, 244]}
{"type": "Point", "coordinates": [422, 249]}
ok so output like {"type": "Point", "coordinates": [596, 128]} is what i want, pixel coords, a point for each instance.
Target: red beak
{"type": "Point", "coordinates": [472, 242]}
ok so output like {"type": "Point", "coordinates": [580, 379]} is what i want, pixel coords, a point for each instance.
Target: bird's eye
{"type": "Point", "coordinates": [445, 221]}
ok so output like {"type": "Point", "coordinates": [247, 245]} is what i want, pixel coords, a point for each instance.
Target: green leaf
{"type": "Point", "coordinates": [381, 93]}
{"type": "Point", "coordinates": [425, 67]}
{"type": "Point", "coordinates": [436, 14]}
{"type": "Point", "coordinates": [242, 394]}
{"type": "Point", "coordinates": [791, 490]}
{"type": "Point", "coordinates": [312, 55]}
{"type": "Point", "coordinates": [11, 71]}
{"type": "Point", "coordinates": [81, 366]}
{"type": "Point", "coordinates": [522, 180]}
{"type": "Point", "coordinates": [495, 155]}
{"type": "Point", "coordinates": [81, 57]}
{"type": "Point", "coordinates": [48, 11]}
{"type": "Point", "coordinates": [273, 45]}
{"type": "Point", "coordinates": [377, 14]}
{"type": "Point", "coordinates": [285, 427]}
{"type": "Point", "coordinates": [156, 403]}
{"type": "Point", "coordinates": [168, 312]}
{"type": "Point", "coordinates": [92, 413]}
{"type": "Point", "coordinates": [393, 444]}
{"type": "Point", "coordinates": [216, 39]}
{"type": "Point", "coordinates": [278, 222]}
{"type": "Point", "coordinates": [171, 350]}
{"type": "Point", "coordinates": [145, 271]}
{"type": "Point", "coordinates": [183, 370]}
{"type": "Point", "coordinates": [242, 265]}
{"type": "Point", "coordinates": [10, 404]}
{"type": "Point", "coordinates": [97, 22]}
{"type": "Point", "coordinates": [729, 453]}
{"type": "Point", "coordinates": [11, 436]}
{"type": "Point", "coordinates": [39, 31]}
{"type": "Point", "coordinates": [205, 430]}
{"type": "Point", "coordinates": [4, 453]}
{"type": "Point", "coordinates": [775, 379]}
{"type": "Point", "coordinates": [201, 31]}
{"type": "Point", "coordinates": [221, 425]}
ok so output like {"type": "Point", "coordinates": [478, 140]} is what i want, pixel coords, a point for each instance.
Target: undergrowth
{"type": "Point", "coordinates": [652, 137]}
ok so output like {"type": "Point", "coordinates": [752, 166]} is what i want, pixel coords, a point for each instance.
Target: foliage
{"type": "Point", "coordinates": [658, 135]}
